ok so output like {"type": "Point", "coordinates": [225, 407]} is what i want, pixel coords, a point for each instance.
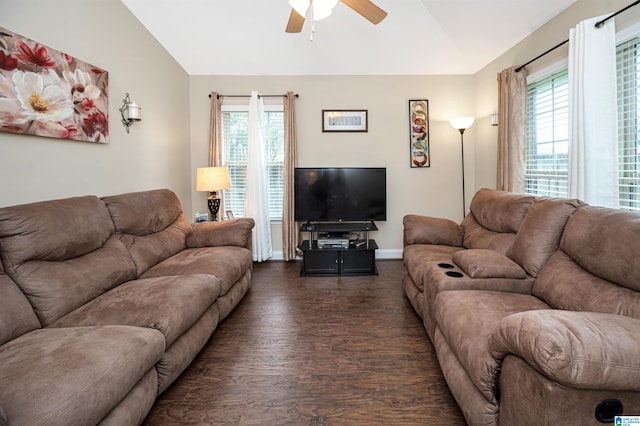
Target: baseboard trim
{"type": "Point", "coordinates": [380, 254]}
{"type": "Point", "coordinates": [389, 254]}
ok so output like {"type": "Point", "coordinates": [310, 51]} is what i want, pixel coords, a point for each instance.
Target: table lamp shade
{"type": "Point", "coordinates": [212, 179]}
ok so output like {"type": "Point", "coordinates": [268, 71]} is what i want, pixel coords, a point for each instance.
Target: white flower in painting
{"type": "Point", "coordinates": [8, 100]}
{"type": "Point", "coordinates": [81, 85]}
{"type": "Point", "coordinates": [41, 97]}
{"type": "Point", "coordinates": [6, 86]}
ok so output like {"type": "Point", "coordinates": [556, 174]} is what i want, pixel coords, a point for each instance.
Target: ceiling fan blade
{"type": "Point", "coordinates": [296, 21]}
{"type": "Point", "coordinates": [367, 9]}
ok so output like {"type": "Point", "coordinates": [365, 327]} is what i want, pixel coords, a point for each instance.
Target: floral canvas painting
{"type": "Point", "coordinates": [46, 92]}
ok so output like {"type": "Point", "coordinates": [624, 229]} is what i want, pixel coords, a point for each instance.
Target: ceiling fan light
{"type": "Point", "coordinates": [323, 8]}
{"type": "Point", "coordinates": [300, 6]}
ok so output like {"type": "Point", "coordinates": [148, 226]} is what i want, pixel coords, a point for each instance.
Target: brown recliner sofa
{"type": "Point", "coordinates": [104, 302]}
{"type": "Point", "coordinates": [562, 344]}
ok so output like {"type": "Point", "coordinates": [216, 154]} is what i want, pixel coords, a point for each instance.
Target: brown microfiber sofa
{"type": "Point", "coordinates": [105, 301]}
{"type": "Point", "coordinates": [533, 307]}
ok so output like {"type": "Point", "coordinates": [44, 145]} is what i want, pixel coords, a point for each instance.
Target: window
{"type": "Point", "coordinates": [628, 74]}
{"type": "Point", "coordinates": [235, 122]}
{"type": "Point", "coordinates": [546, 164]}
{"type": "Point", "coordinates": [547, 141]}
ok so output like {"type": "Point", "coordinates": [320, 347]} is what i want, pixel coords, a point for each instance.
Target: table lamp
{"type": "Point", "coordinates": [212, 179]}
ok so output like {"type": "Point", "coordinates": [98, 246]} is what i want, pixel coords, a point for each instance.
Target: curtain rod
{"type": "Point", "coordinates": [260, 96]}
{"type": "Point", "coordinates": [542, 54]}
{"type": "Point", "coordinates": [599, 24]}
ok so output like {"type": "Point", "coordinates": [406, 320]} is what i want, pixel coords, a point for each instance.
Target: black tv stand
{"type": "Point", "coordinates": [357, 258]}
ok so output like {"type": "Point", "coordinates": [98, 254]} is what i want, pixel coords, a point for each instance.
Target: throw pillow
{"type": "Point", "coordinates": [483, 263]}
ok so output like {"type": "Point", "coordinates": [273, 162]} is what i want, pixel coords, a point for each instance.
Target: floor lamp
{"type": "Point", "coordinates": [462, 124]}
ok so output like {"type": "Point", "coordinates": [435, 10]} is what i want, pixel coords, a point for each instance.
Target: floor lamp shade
{"type": "Point", "coordinates": [212, 179]}
{"type": "Point", "coordinates": [461, 123]}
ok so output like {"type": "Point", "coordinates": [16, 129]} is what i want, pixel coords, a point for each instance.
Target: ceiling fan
{"type": "Point", "coordinates": [320, 9]}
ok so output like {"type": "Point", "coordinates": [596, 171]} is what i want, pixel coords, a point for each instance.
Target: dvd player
{"type": "Point", "coordinates": [333, 243]}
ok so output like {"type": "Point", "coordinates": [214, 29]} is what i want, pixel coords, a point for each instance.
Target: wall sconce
{"type": "Point", "coordinates": [494, 119]}
{"type": "Point", "coordinates": [130, 112]}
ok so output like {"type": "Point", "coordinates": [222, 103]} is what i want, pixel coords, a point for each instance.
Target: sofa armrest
{"type": "Point", "coordinates": [431, 230]}
{"type": "Point", "coordinates": [235, 232]}
{"type": "Point", "coordinates": [583, 350]}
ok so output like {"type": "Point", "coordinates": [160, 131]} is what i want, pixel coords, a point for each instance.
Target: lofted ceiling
{"type": "Point", "coordinates": [247, 37]}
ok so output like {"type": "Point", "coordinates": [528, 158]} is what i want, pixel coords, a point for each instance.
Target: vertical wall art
{"type": "Point", "coordinates": [45, 92]}
{"type": "Point", "coordinates": [419, 132]}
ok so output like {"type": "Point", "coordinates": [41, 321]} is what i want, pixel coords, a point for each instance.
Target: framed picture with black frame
{"type": "Point", "coordinates": [419, 133]}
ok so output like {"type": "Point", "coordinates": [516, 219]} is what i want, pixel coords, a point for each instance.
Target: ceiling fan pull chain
{"type": "Point", "coordinates": [313, 22]}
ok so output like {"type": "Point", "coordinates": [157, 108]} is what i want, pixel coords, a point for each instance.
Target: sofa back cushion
{"type": "Point", "coordinates": [494, 219]}
{"type": "Point", "coordinates": [478, 237]}
{"type": "Point", "coordinates": [596, 268]}
{"type": "Point", "coordinates": [16, 315]}
{"type": "Point", "coordinates": [150, 224]}
{"type": "Point", "coordinates": [539, 234]}
{"type": "Point", "coordinates": [62, 253]}
{"type": "Point", "coordinates": [500, 211]}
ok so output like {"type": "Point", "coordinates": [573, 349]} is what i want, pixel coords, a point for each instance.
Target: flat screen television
{"type": "Point", "coordinates": [339, 194]}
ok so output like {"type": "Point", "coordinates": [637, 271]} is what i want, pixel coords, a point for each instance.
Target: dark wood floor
{"type": "Point", "coordinates": [314, 351]}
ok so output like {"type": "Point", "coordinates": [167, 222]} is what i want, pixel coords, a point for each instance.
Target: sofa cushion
{"type": "Point", "coordinates": [466, 319]}
{"type": "Point", "coordinates": [482, 263]}
{"type": "Point", "coordinates": [439, 280]}
{"type": "Point", "coordinates": [478, 237]}
{"type": "Point", "coordinates": [143, 213]}
{"type": "Point", "coordinates": [499, 211]}
{"type": "Point", "coordinates": [430, 230]}
{"type": "Point", "coordinates": [16, 315]}
{"type": "Point", "coordinates": [228, 263]}
{"type": "Point", "coordinates": [53, 230]}
{"type": "Point", "coordinates": [62, 253]}
{"type": "Point", "coordinates": [417, 257]}
{"type": "Point", "coordinates": [596, 267]}
{"type": "Point", "coordinates": [565, 285]}
{"type": "Point", "coordinates": [604, 242]}
{"type": "Point", "coordinates": [150, 224]}
{"type": "Point", "coordinates": [168, 304]}
{"type": "Point", "coordinates": [539, 234]}
{"type": "Point", "coordinates": [73, 376]}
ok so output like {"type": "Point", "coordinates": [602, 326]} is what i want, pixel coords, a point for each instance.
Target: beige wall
{"type": "Point", "coordinates": [156, 152]}
{"type": "Point", "coordinates": [172, 140]}
{"type": "Point", "coordinates": [554, 32]}
{"type": "Point", "coordinates": [432, 191]}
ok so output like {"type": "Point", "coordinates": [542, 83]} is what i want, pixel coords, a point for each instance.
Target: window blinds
{"type": "Point", "coordinates": [628, 76]}
{"type": "Point", "coordinates": [235, 141]}
{"type": "Point", "coordinates": [547, 147]}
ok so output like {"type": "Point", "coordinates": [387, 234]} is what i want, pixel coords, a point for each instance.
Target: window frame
{"type": "Point", "coordinates": [244, 108]}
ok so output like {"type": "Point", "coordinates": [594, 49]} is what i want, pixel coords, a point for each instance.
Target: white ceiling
{"type": "Point", "coordinates": [247, 37]}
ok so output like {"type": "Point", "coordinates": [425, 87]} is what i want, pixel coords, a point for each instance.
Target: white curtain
{"type": "Point", "coordinates": [256, 203]}
{"type": "Point", "coordinates": [593, 134]}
